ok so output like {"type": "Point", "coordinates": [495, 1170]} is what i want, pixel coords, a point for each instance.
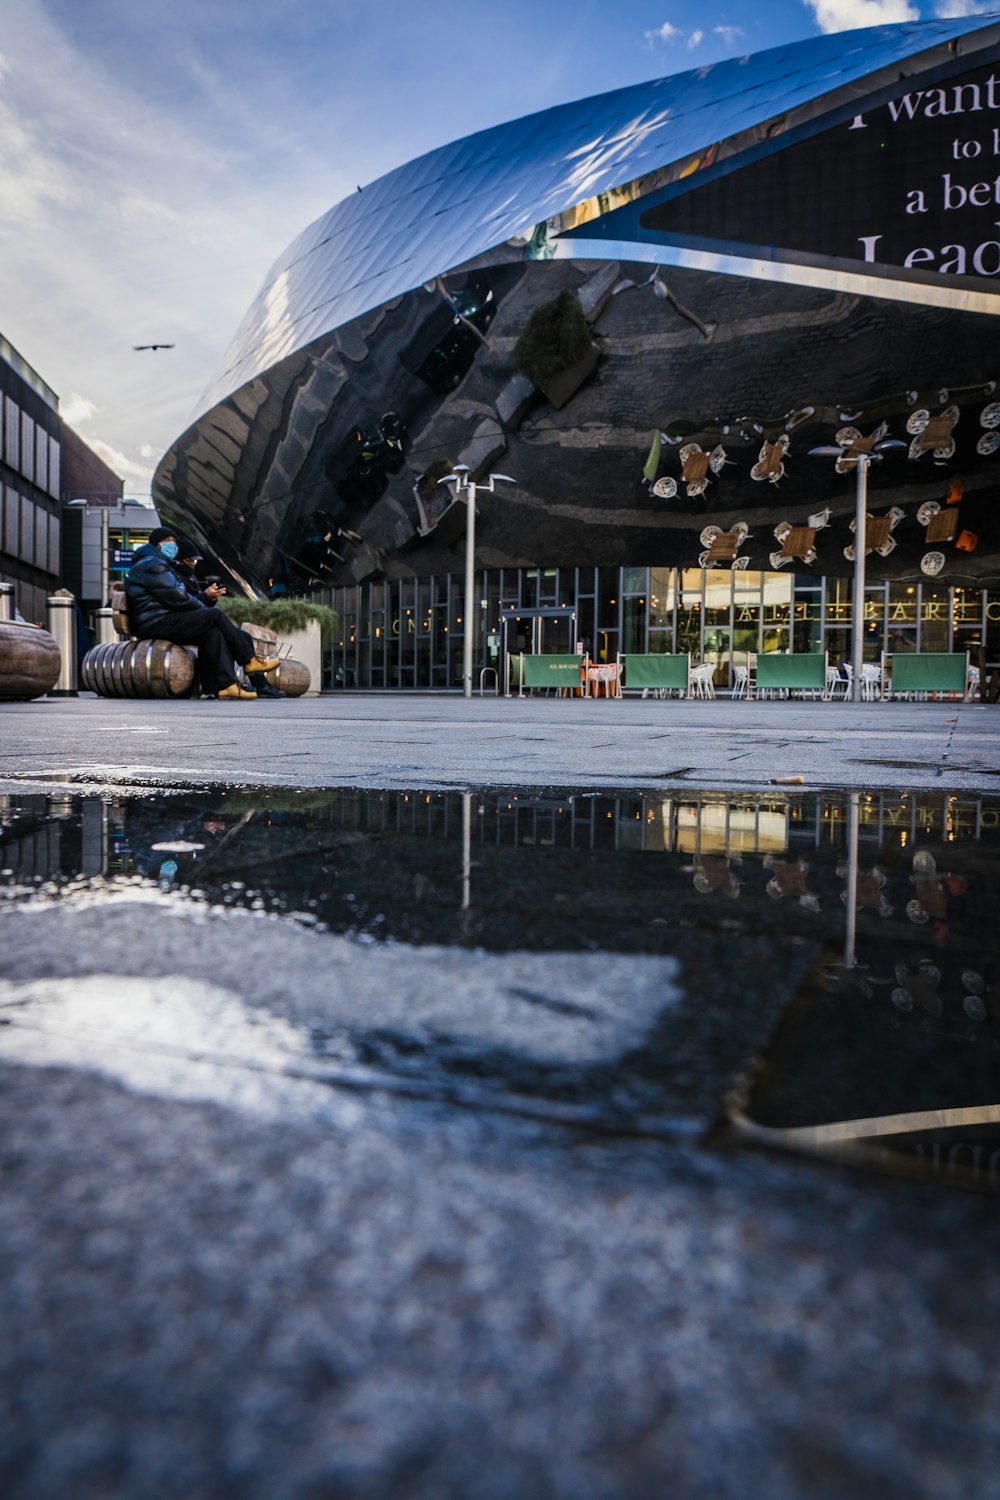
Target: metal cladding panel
{"type": "Point", "coordinates": [472, 195]}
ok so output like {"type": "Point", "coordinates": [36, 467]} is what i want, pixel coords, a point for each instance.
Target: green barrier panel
{"type": "Point", "coordinates": [805, 672]}
{"type": "Point", "coordinates": [657, 671]}
{"type": "Point", "coordinates": [929, 672]}
{"type": "Point", "coordinates": [552, 672]}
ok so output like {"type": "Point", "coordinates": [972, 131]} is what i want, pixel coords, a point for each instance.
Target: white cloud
{"type": "Point", "coordinates": [696, 38]}
{"type": "Point", "coordinates": [127, 219]}
{"type": "Point", "coordinates": [947, 9]}
{"type": "Point", "coordinates": [126, 468]}
{"type": "Point", "coordinates": [77, 410]}
{"type": "Point", "coordinates": [664, 33]}
{"type": "Point", "coordinates": [845, 15]}
{"type": "Point", "coordinates": [729, 34]}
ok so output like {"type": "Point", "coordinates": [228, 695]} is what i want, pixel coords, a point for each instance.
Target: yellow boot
{"type": "Point", "coordinates": [235, 691]}
{"type": "Point", "coordinates": [261, 664]}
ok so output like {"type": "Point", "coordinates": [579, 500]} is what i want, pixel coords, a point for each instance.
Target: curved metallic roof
{"type": "Point", "coordinates": [455, 203]}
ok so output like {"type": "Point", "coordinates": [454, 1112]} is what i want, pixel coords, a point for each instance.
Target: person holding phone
{"type": "Point", "coordinates": [209, 590]}
{"type": "Point", "coordinates": [161, 604]}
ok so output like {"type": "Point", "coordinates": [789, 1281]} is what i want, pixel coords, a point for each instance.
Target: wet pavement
{"type": "Point", "coordinates": [427, 740]}
{"type": "Point", "coordinates": [485, 1139]}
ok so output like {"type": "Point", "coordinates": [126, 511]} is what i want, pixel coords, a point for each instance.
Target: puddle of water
{"type": "Point", "coordinates": [837, 952]}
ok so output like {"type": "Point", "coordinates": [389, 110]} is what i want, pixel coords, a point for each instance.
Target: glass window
{"type": "Point", "coordinates": [807, 618]}
{"type": "Point", "coordinates": [26, 550]}
{"type": "Point", "coordinates": [607, 599]}
{"type": "Point", "coordinates": [748, 592]}
{"type": "Point", "coordinates": [42, 538]}
{"type": "Point", "coordinates": [876, 602]}
{"type": "Point", "coordinates": [41, 458]}
{"type": "Point", "coordinates": [11, 518]}
{"type": "Point", "coordinates": [934, 621]}
{"type": "Point", "coordinates": [901, 628]}
{"type": "Point", "coordinates": [718, 591]}
{"type": "Point", "coordinates": [689, 613]}
{"type": "Point", "coordinates": [633, 580]}
{"type": "Point", "coordinates": [993, 622]}
{"type": "Point", "coordinates": [777, 610]}
{"type": "Point", "coordinates": [634, 624]}
{"type": "Point", "coordinates": [967, 619]}
{"type": "Point", "coordinates": [27, 446]}
{"type": "Point", "coordinates": [12, 433]}
{"type": "Point", "coordinates": [54, 453]}
{"type": "Point", "coordinates": [661, 599]}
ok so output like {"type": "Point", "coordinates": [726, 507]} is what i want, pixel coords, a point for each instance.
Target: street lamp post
{"type": "Point", "coordinates": [862, 459]}
{"type": "Point", "coordinates": [464, 486]}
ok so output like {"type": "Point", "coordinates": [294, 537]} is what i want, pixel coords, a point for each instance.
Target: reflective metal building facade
{"type": "Point", "coordinates": [763, 254]}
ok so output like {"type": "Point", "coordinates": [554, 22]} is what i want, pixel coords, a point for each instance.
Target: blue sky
{"type": "Point", "coordinates": [155, 157]}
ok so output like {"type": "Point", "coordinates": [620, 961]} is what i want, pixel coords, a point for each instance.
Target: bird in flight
{"type": "Point", "coordinates": [154, 346]}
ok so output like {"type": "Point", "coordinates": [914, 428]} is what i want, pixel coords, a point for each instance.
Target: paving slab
{"type": "Point", "coordinates": [445, 740]}
{"type": "Point", "coordinates": [292, 1216]}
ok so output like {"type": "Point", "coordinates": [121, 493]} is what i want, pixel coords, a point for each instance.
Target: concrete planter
{"type": "Point", "coordinates": [307, 648]}
{"type": "Point", "coordinates": [563, 386]}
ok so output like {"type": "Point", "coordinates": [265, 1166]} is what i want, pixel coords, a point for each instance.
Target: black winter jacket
{"type": "Point", "coordinates": [153, 589]}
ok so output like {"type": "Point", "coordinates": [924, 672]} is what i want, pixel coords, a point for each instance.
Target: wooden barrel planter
{"type": "Point", "coordinates": [292, 677]}
{"type": "Point", "coordinates": [138, 669]}
{"type": "Point", "coordinates": [29, 661]}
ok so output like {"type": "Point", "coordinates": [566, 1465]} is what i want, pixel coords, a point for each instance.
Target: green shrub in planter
{"type": "Point", "coordinates": [555, 337]}
{"type": "Point", "coordinates": [283, 616]}
{"type": "Point", "coordinates": [428, 482]}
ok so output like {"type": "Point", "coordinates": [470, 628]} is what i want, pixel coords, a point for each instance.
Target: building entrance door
{"type": "Point", "coordinates": [535, 632]}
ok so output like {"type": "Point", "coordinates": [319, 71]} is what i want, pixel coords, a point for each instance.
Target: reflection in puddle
{"type": "Point", "coordinates": [835, 952]}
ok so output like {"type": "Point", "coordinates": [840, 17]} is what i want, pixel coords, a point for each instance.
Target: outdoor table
{"type": "Point", "coordinates": [695, 466]}
{"type": "Point", "coordinates": [877, 532]}
{"type": "Point", "coordinates": [937, 433]}
{"type": "Point", "coordinates": [725, 547]}
{"type": "Point", "coordinates": [942, 526]}
{"type": "Point", "coordinates": [799, 541]}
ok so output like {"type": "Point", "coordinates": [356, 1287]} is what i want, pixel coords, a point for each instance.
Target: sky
{"type": "Point", "coordinates": [157, 155]}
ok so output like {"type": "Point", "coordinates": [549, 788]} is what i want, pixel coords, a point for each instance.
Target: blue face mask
{"type": "Point", "coordinates": [169, 550]}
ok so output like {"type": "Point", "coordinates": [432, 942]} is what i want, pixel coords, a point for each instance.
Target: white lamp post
{"type": "Point", "coordinates": [862, 459]}
{"type": "Point", "coordinates": [466, 487]}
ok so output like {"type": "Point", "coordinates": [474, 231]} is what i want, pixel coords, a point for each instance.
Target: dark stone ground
{"type": "Point", "coordinates": [238, 1260]}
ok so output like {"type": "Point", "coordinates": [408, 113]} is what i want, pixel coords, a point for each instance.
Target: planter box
{"type": "Point", "coordinates": [563, 386]}
{"type": "Point", "coordinates": [307, 648]}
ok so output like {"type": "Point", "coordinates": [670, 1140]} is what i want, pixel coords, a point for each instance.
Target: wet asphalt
{"type": "Point", "coordinates": [241, 1258]}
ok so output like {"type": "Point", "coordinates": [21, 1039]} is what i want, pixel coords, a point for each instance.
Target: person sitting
{"type": "Point", "coordinates": [208, 592]}
{"type": "Point", "coordinates": [161, 605]}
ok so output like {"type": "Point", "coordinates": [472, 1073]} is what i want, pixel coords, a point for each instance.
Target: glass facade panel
{"type": "Point", "coordinates": [608, 606]}
{"type": "Point", "coordinates": [634, 624]}
{"type": "Point", "coordinates": [54, 536]}
{"type": "Point", "coordinates": [661, 599]}
{"type": "Point", "coordinates": [967, 619]}
{"type": "Point", "coordinates": [54, 473]}
{"type": "Point", "coordinates": [410, 633]}
{"type": "Point", "coordinates": [41, 458]}
{"type": "Point", "coordinates": [993, 623]}
{"type": "Point", "coordinates": [689, 613]}
{"type": "Point", "coordinates": [903, 628]}
{"type": "Point", "coordinates": [27, 446]}
{"type": "Point", "coordinates": [935, 600]}
{"type": "Point", "coordinates": [12, 433]}
{"type": "Point", "coordinates": [777, 611]}
{"type": "Point", "coordinates": [11, 520]}
{"type": "Point", "coordinates": [26, 549]}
